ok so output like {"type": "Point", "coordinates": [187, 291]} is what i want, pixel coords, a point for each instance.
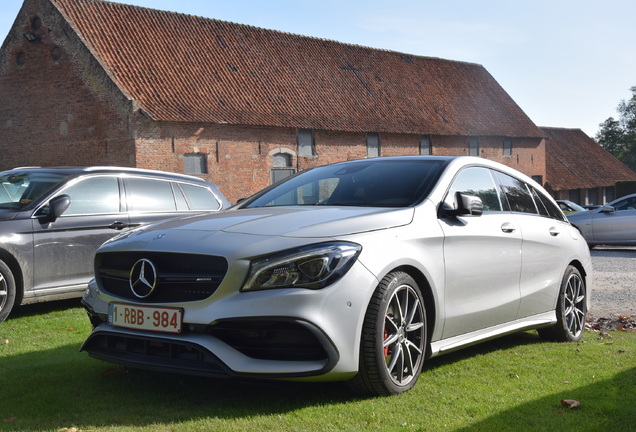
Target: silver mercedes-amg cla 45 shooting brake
{"type": "Point", "coordinates": [355, 271]}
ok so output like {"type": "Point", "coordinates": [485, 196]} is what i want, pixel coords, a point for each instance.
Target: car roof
{"type": "Point", "coordinates": [74, 172]}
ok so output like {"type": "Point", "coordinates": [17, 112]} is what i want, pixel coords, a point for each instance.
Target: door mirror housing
{"type": "Point", "coordinates": [465, 205]}
{"type": "Point", "coordinates": [57, 206]}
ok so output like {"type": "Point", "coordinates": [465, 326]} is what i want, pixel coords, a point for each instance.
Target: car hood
{"type": "Point", "coordinates": [295, 221]}
{"type": "Point", "coordinates": [579, 216]}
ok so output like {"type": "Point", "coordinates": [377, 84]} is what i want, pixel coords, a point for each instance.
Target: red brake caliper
{"type": "Point", "coordinates": [386, 335]}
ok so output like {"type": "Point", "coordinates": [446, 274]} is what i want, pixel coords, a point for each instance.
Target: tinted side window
{"type": "Point", "coordinates": [546, 206]}
{"type": "Point", "coordinates": [543, 211]}
{"type": "Point", "coordinates": [199, 198]}
{"type": "Point", "coordinates": [479, 182]}
{"type": "Point", "coordinates": [95, 195]}
{"type": "Point", "coordinates": [517, 194]}
{"type": "Point", "coordinates": [626, 204]}
{"type": "Point", "coordinates": [149, 195]}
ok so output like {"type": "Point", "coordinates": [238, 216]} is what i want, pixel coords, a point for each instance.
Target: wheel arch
{"type": "Point", "coordinates": [18, 277]}
{"type": "Point", "coordinates": [429, 300]}
{"type": "Point", "coordinates": [579, 266]}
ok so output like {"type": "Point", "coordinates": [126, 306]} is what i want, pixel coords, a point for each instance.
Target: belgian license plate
{"type": "Point", "coordinates": [139, 317]}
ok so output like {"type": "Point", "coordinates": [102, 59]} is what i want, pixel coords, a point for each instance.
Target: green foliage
{"type": "Point", "coordinates": [619, 136]}
{"type": "Point", "coordinates": [512, 383]}
{"type": "Point", "coordinates": [611, 137]}
{"type": "Point", "coordinates": [625, 187]}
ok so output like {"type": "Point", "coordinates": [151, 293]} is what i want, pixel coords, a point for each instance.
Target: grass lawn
{"type": "Point", "coordinates": [515, 383]}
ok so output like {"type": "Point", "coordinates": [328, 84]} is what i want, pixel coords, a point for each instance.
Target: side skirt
{"type": "Point", "coordinates": [536, 321]}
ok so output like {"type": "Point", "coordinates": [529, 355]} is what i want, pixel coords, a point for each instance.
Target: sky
{"type": "Point", "coordinates": [566, 63]}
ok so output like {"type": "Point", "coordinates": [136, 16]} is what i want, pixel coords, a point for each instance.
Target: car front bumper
{"type": "Point", "coordinates": [284, 333]}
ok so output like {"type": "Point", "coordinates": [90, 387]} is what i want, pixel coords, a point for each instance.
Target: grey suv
{"type": "Point", "coordinates": [52, 220]}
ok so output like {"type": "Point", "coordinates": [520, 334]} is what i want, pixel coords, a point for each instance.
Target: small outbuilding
{"type": "Point", "coordinates": [580, 170]}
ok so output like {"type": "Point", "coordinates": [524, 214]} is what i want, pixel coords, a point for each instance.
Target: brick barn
{"type": "Point", "coordinates": [91, 82]}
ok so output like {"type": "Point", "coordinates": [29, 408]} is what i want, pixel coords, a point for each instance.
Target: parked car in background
{"type": "Point", "coordinates": [52, 220]}
{"type": "Point", "coordinates": [355, 271]}
{"type": "Point", "coordinates": [569, 206]}
{"type": "Point", "coordinates": [611, 224]}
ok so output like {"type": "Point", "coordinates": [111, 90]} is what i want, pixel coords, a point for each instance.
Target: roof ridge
{"type": "Point", "coordinates": [561, 128]}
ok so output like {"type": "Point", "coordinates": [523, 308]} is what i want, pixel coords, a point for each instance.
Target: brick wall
{"type": "Point", "coordinates": [58, 107]}
{"type": "Point", "coordinates": [240, 158]}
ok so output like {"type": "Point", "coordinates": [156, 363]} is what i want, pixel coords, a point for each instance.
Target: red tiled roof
{"type": "Point", "coordinates": [187, 68]}
{"type": "Point", "coordinates": [576, 161]}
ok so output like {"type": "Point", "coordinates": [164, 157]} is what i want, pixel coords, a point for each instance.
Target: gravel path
{"type": "Point", "coordinates": [614, 283]}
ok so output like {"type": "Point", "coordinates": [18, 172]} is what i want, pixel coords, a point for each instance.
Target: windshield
{"type": "Point", "coordinates": [368, 183]}
{"type": "Point", "coordinates": [18, 189]}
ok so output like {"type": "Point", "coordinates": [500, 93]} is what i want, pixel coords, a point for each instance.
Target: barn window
{"type": "Point", "coordinates": [507, 147]}
{"type": "Point", "coordinates": [473, 146]}
{"type": "Point", "coordinates": [306, 145]}
{"type": "Point", "coordinates": [425, 145]}
{"type": "Point", "coordinates": [592, 196]}
{"type": "Point", "coordinates": [195, 163]}
{"type": "Point", "coordinates": [281, 166]}
{"type": "Point", "coordinates": [373, 144]}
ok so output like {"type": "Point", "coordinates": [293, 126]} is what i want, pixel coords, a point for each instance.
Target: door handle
{"type": "Point", "coordinates": [554, 232]}
{"type": "Point", "coordinates": [508, 227]}
{"type": "Point", "coordinates": [118, 225]}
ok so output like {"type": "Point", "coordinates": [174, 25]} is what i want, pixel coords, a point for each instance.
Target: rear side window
{"type": "Point", "coordinates": [546, 207]}
{"type": "Point", "coordinates": [517, 194]}
{"type": "Point", "coordinates": [94, 195]}
{"type": "Point", "coordinates": [150, 195]}
{"type": "Point", "coordinates": [199, 198]}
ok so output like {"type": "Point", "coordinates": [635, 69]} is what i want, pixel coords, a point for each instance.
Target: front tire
{"type": "Point", "coordinates": [570, 311]}
{"type": "Point", "coordinates": [7, 291]}
{"type": "Point", "coordinates": [393, 343]}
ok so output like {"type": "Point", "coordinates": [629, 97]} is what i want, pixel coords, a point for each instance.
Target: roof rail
{"type": "Point", "coordinates": [139, 170]}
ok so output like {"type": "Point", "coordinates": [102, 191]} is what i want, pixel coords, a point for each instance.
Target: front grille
{"type": "Point", "coordinates": [180, 277]}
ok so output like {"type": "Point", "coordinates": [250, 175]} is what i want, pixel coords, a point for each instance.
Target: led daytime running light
{"type": "Point", "coordinates": [311, 267]}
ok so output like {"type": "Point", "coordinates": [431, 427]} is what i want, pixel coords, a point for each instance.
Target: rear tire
{"type": "Point", "coordinates": [570, 311]}
{"type": "Point", "coordinates": [393, 343]}
{"type": "Point", "coordinates": [7, 291]}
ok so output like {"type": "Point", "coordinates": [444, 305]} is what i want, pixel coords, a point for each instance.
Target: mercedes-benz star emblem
{"type": "Point", "coordinates": [143, 278]}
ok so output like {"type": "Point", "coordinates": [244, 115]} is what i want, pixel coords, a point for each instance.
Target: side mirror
{"type": "Point", "coordinates": [607, 209]}
{"type": "Point", "coordinates": [58, 205]}
{"type": "Point", "coordinates": [465, 205]}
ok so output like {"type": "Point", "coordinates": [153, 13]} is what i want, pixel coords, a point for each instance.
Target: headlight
{"type": "Point", "coordinates": [312, 267]}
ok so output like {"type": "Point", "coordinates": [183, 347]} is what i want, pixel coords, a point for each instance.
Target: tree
{"type": "Point", "coordinates": [619, 136]}
{"type": "Point", "coordinates": [611, 137]}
